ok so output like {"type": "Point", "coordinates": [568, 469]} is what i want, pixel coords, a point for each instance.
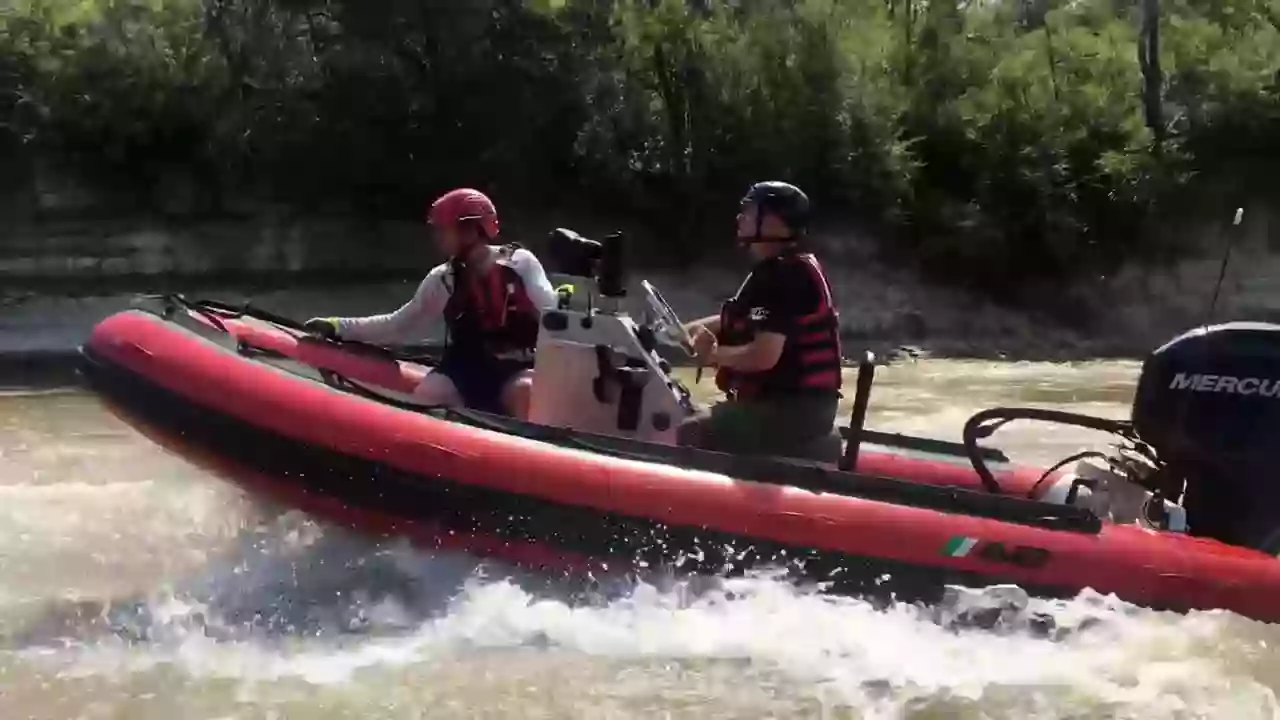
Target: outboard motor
{"type": "Point", "coordinates": [1208, 402]}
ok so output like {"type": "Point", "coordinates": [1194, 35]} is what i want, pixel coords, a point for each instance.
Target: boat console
{"type": "Point", "coordinates": [630, 391]}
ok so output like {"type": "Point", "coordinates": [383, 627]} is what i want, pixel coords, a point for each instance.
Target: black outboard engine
{"type": "Point", "coordinates": [1208, 402]}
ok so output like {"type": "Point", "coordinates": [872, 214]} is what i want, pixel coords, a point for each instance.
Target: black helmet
{"type": "Point", "coordinates": [782, 199]}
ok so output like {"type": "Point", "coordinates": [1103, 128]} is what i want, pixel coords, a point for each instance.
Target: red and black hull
{"type": "Point", "coordinates": [244, 400]}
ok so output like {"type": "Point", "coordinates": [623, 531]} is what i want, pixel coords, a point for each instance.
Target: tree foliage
{"type": "Point", "coordinates": [985, 137]}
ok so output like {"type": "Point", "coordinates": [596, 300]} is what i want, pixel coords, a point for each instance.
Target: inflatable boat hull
{"type": "Point", "coordinates": [247, 398]}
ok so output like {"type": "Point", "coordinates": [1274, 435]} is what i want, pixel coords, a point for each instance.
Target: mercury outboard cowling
{"type": "Point", "coordinates": [1208, 402]}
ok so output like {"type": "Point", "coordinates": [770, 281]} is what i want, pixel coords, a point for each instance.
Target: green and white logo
{"type": "Point", "coordinates": [959, 546]}
{"type": "Point", "coordinates": [1025, 556]}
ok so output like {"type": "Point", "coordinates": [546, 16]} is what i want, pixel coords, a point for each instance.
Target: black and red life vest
{"type": "Point", "coordinates": [490, 312]}
{"type": "Point", "coordinates": [810, 361]}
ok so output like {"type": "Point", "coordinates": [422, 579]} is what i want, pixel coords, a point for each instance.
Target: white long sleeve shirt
{"type": "Point", "coordinates": [412, 322]}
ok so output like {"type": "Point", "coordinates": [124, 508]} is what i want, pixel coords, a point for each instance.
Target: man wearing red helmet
{"type": "Point", "coordinates": [775, 344]}
{"type": "Point", "coordinates": [491, 298]}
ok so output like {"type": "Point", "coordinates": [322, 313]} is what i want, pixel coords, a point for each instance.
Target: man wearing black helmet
{"type": "Point", "coordinates": [775, 344]}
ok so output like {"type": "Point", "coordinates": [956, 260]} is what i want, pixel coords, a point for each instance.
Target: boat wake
{"type": "Point", "coordinates": [293, 604]}
{"type": "Point", "coordinates": [290, 579]}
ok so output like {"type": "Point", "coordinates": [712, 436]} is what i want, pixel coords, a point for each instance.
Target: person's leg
{"type": "Point", "coordinates": [437, 389]}
{"type": "Point", "coordinates": [693, 431]}
{"type": "Point", "coordinates": [517, 394]}
{"type": "Point", "coordinates": [483, 384]}
{"type": "Point", "coordinates": [785, 427]}
{"type": "Point", "coordinates": [802, 427]}
{"type": "Point", "coordinates": [726, 428]}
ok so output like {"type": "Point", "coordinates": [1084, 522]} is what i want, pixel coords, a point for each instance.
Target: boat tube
{"type": "Point", "coordinates": [1179, 515]}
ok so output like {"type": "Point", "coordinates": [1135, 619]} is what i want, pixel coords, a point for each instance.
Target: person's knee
{"type": "Point", "coordinates": [689, 432]}
{"type": "Point", "coordinates": [826, 448]}
{"type": "Point", "coordinates": [707, 429]}
{"type": "Point", "coordinates": [517, 394]}
{"type": "Point", "coordinates": [696, 431]}
{"type": "Point", "coordinates": [437, 389]}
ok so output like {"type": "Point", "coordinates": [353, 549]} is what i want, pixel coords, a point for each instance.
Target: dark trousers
{"type": "Point", "coordinates": [799, 426]}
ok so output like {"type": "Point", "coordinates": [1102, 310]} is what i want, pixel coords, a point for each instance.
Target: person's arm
{"type": "Point", "coordinates": [785, 297]}
{"type": "Point", "coordinates": [536, 282]}
{"type": "Point", "coordinates": [411, 323]}
{"type": "Point", "coordinates": [710, 323]}
{"type": "Point", "coordinates": [762, 353]}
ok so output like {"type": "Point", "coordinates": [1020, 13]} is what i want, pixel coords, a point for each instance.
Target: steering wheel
{"type": "Point", "coordinates": [666, 316]}
{"type": "Point", "coordinates": [669, 322]}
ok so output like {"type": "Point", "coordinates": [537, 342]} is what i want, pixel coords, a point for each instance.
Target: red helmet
{"type": "Point", "coordinates": [465, 204]}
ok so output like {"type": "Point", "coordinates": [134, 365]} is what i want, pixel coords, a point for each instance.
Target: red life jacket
{"type": "Point", "coordinates": [490, 313]}
{"type": "Point", "coordinates": [810, 361]}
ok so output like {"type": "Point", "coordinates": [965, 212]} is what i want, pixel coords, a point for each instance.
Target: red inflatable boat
{"type": "Point", "coordinates": [331, 427]}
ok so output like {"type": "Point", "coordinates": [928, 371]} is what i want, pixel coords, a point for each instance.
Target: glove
{"type": "Point", "coordinates": [326, 328]}
{"type": "Point", "coordinates": [564, 296]}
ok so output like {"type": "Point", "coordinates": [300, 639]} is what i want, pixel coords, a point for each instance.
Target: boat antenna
{"type": "Point", "coordinates": [1226, 259]}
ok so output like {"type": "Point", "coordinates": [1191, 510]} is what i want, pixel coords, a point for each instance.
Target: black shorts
{"type": "Point", "coordinates": [480, 379]}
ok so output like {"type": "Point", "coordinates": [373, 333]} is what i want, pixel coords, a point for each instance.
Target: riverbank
{"type": "Point", "coordinates": [39, 333]}
{"type": "Point", "coordinates": [54, 286]}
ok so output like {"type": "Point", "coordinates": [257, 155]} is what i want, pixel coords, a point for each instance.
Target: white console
{"type": "Point", "coordinates": [594, 374]}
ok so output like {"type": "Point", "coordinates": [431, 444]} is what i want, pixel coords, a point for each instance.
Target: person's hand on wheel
{"type": "Point", "coordinates": [704, 345]}
{"type": "Point", "coordinates": [326, 328]}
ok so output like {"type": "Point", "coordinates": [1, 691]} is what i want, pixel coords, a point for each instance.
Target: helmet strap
{"type": "Point", "coordinates": [756, 238]}
{"type": "Point", "coordinates": [759, 238]}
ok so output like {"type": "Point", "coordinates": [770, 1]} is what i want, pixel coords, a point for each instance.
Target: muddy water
{"type": "Point", "coordinates": [134, 586]}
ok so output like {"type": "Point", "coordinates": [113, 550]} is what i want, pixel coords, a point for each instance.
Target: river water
{"type": "Point", "coordinates": [134, 586]}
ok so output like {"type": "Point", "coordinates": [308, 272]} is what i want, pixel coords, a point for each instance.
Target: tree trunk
{"type": "Point", "coordinates": [1152, 77]}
